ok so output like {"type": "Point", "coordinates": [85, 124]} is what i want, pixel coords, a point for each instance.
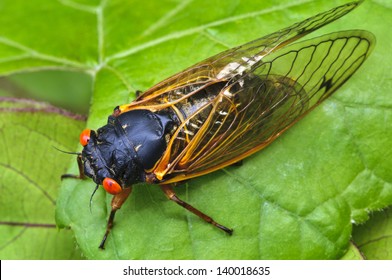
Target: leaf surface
{"type": "Point", "coordinates": [30, 175]}
{"type": "Point", "coordinates": [297, 199]}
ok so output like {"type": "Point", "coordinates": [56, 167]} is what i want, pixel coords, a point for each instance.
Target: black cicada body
{"type": "Point", "coordinates": [111, 151]}
{"type": "Point", "coordinates": [221, 110]}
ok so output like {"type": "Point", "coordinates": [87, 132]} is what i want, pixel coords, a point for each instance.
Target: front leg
{"type": "Point", "coordinates": [81, 170]}
{"type": "Point", "coordinates": [117, 201]}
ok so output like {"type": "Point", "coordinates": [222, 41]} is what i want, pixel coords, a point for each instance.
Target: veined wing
{"type": "Point", "coordinates": [228, 64]}
{"type": "Point", "coordinates": [257, 106]}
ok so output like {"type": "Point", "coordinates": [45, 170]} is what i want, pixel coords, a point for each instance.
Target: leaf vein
{"type": "Point", "coordinates": [35, 184]}
{"type": "Point", "coordinates": [191, 31]}
{"type": "Point", "coordinates": [35, 54]}
{"type": "Point", "coordinates": [165, 19]}
{"type": "Point", "coordinates": [77, 6]}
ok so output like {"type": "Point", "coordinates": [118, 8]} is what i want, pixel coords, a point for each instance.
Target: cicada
{"type": "Point", "coordinates": [221, 110]}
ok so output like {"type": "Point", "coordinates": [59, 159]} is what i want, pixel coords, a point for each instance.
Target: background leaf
{"type": "Point", "coordinates": [374, 238]}
{"type": "Point", "coordinates": [69, 90]}
{"type": "Point", "coordinates": [295, 200]}
{"type": "Point", "coordinates": [30, 175]}
{"type": "Point", "coordinates": [353, 253]}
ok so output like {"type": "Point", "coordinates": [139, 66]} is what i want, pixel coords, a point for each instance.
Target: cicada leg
{"type": "Point", "coordinates": [169, 192]}
{"type": "Point", "coordinates": [117, 201]}
{"type": "Point", "coordinates": [81, 170]}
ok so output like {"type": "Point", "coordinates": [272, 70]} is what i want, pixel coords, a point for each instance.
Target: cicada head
{"type": "Point", "coordinates": [117, 154]}
{"type": "Point", "coordinates": [105, 160]}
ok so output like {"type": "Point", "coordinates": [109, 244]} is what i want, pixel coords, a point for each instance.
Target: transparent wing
{"type": "Point", "coordinates": [257, 106]}
{"type": "Point", "coordinates": [230, 63]}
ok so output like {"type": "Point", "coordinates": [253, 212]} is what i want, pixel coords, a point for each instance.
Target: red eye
{"type": "Point", "coordinates": [111, 186]}
{"type": "Point", "coordinates": [84, 137]}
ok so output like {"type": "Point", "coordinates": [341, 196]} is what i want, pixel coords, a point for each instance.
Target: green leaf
{"type": "Point", "coordinates": [68, 90]}
{"type": "Point", "coordinates": [30, 175]}
{"type": "Point", "coordinates": [374, 238]}
{"type": "Point", "coordinates": [297, 199]}
{"type": "Point", "coordinates": [353, 253]}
